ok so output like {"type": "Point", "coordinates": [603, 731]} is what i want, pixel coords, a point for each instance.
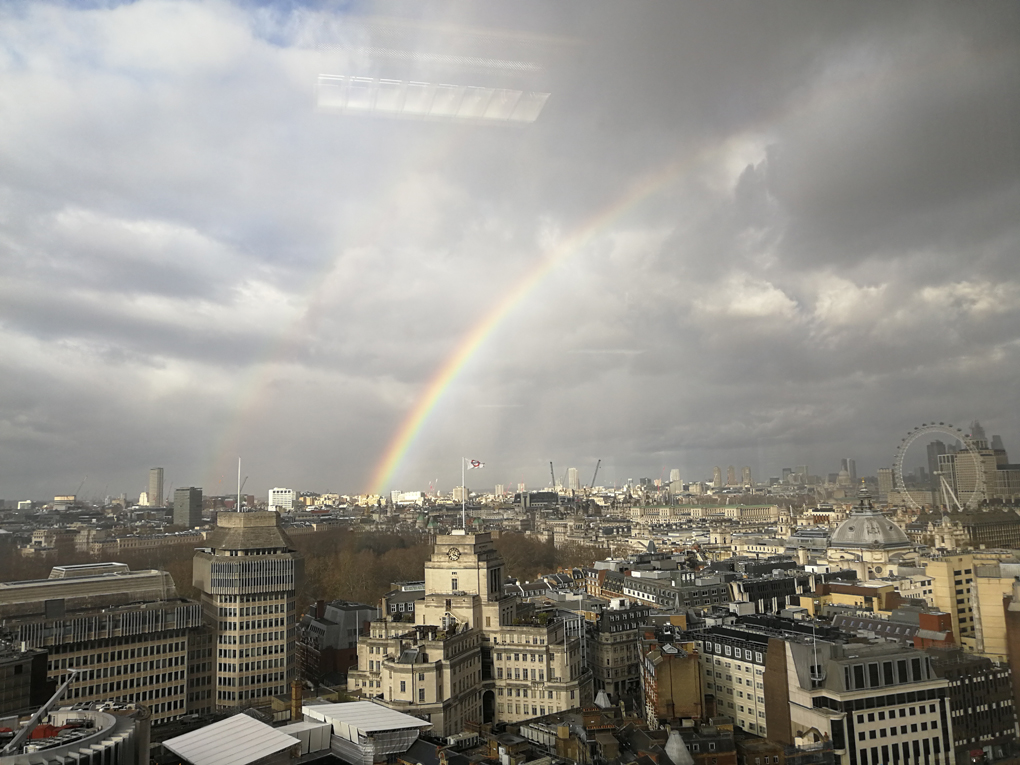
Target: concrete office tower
{"type": "Point", "coordinates": [674, 475]}
{"type": "Point", "coordinates": [731, 476]}
{"type": "Point", "coordinates": [850, 466]}
{"type": "Point", "coordinates": [745, 476]}
{"type": "Point", "coordinates": [500, 490]}
{"type": "Point", "coordinates": [155, 493]}
{"type": "Point", "coordinates": [128, 633]}
{"type": "Point", "coordinates": [717, 476]}
{"type": "Point", "coordinates": [282, 499]}
{"type": "Point", "coordinates": [248, 577]}
{"type": "Point", "coordinates": [573, 482]}
{"type": "Point", "coordinates": [188, 507]}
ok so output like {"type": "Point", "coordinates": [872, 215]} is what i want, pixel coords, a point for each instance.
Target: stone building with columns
{"type": "Point", "coordinates": [471, 653]}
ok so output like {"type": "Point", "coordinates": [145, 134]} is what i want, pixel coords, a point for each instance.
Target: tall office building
{"type": "Point", "coordinates": [573, 482]}
{"type": "Point", "coordinates": [674, 475]}
{"type": "Point", "coordinates": [188, 507]}
{"type": "Point", "coordinates": [745, 476]}
{"type": "Point", "coordinates": [850, 466]}
{"type": "Point", "coordinates": [717, 476]}
{"type": "Point", "coordinates": [248, 577]}
{"type": "Point", "coordinates": [155, 493]}
{"type": "Point", "coordinates": [127, 633]}
{"type": "Point", "coordinates": [885, 483]}
{"type": "Point", "coordinates": [977, 434]}
{"type": "Point", "coordinates": [731, 476]}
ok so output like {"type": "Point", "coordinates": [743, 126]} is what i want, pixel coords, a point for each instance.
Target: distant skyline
{"type": "Point", "coordinates": [761, 234]}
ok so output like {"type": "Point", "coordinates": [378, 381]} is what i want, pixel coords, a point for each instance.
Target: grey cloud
{"type": "Point", "coordinates": [832, 258]}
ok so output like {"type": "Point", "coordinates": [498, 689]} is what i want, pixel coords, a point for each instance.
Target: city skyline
{"type": "Point", "coordinates": [721, 235]}
{"type": "Point", "coordinates": [572, 479]}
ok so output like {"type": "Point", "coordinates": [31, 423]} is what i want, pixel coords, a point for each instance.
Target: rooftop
{"type": "Point", "coordinates": [235, 741]}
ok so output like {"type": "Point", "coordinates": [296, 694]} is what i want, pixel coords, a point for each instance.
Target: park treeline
{"type": "Point", "coordinates": [339, 563]}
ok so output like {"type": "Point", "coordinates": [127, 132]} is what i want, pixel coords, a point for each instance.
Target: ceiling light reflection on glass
{"type": "Point", "coordinates": [426, 100]}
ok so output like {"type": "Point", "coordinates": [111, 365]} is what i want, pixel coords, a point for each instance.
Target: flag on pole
{"type": "Point", "coordinates": [472, 464]}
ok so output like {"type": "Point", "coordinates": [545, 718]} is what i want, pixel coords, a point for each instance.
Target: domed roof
{"type": "Point", "coordinates": [868, 528]}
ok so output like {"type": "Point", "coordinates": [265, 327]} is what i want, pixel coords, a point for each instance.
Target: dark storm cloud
{"type": "Point", "coordinates": [193, 254]}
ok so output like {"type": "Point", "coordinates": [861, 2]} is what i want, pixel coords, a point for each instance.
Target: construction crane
{"type": "Point", "coordinates": [595, 475]}
{"type": "Point", "coordinates": [552, 474]}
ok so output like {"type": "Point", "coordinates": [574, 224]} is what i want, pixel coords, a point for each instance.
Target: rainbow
{"type": "Point", "coordinates": [412, 425]}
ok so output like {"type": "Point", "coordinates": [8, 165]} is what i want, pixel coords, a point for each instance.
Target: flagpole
{"type": "Point", "coordinates": [463, 494]}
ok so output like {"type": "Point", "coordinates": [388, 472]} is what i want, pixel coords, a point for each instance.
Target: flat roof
{"type": "Point", "coordinates": [365, 716]}
{"type": "Point", "coordinates": [238, 740]}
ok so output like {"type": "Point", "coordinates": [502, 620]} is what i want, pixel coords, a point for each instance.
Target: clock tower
{"type": "Point", "coordinates": [464, 583]}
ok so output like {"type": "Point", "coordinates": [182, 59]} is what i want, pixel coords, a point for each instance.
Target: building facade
{"type": "Point", "coordinates": [127, 633]}
{"type": "Point", "coordinates": [981, 699]}
{"type": "Point", "coordinates": [281, 499]}
{"type": "Point", "coordinates": [877, 704]}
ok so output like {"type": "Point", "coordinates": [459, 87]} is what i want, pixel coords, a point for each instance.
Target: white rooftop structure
{"type": "Point", "coordinates": [238, 740]}
{"type": "Point", "coordinates": [363, 730]}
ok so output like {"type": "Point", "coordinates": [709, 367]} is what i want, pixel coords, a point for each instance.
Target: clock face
{"type": "Point", "coordinates": [454, 553]}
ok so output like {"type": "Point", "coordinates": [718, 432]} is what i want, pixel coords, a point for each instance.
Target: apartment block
{"type": "Point", "coordinates": [614, 648]}
{"type": "Point", "coordinates": [733, 667]}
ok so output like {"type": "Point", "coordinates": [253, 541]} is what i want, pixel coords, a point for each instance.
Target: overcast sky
{"type": "Point", "coordinates": [782, 233]}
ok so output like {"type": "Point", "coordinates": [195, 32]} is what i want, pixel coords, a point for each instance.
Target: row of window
{"type": "Point", "coordinates": [265, 677]}
{"type": "Point", "coordinates": [879, 755]}
{"type": "Point", "coordinates": [539, 657]}
{"type": "Point", "coordinates": [253, 624]}
{"type": "Point", "coordinates": [248, 666]}
{"type": "Point", "coordinates": [103, 657]}
{"type": "Point", "coordinates": [250, 694]}
{"type": "Point", "coordinates": [259, 650]}
{"type": "Point", "coordinates": [517, 674]}
{"type": "Point", "coordinates": [871, 716]}
{"type": "Point", "coordinates": [275, 608]}
{"type": "Point", "coordinates": [257, 637]}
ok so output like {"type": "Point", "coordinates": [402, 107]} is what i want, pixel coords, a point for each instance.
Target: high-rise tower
{"type": "Point", "coordinates": [248, 577]}
{"type": "Point", "coordinates": [188, 507]}
{"type": "Point", "coordinates": [156, 498]}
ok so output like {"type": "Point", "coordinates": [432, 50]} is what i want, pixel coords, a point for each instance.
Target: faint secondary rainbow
{"type": "Point", "coordinates": [412, 425]}
{"type": "Point", "coordinates": [253, 392]}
